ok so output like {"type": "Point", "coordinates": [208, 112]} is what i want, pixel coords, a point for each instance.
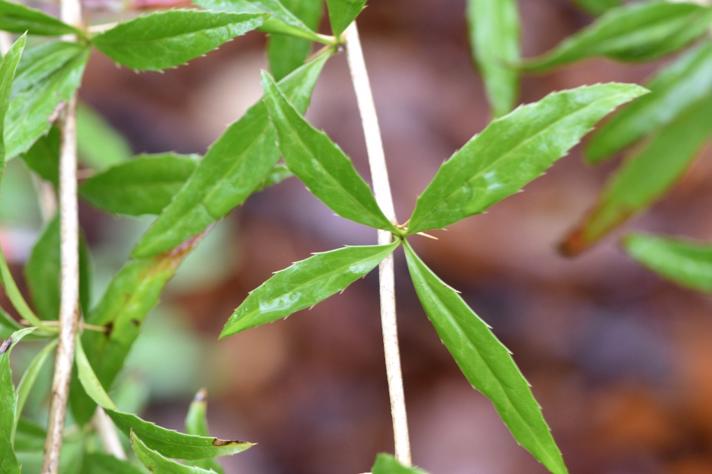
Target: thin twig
{"type": "Point", "coordinates": [107, 433]}
{"type": "Point", "coordinates": [382, 191]}
{"type": "Point", "coordinates": [71, 13]}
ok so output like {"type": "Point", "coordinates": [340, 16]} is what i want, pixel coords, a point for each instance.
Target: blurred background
{"type": "Point", "coordinates": [619, 359]}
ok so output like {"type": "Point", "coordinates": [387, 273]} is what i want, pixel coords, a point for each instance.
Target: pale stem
{"type": "Point", "coordinates": [107, 433]}
{"type": "Point", "coordinates": [69, 269]}
{"type": "Point", "coordinates": [382, 191]}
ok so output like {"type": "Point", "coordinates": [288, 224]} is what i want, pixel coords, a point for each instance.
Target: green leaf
{"type": "Point", "coordinates": [512, 151]}
{"type": "Point", "coordinates": [159, 464]}
{"type": "Point", "coordinates": [168, 442]}
{"type": "Point", "coordinates": [196, 423]}
{"type": "Point", "coordinates": [485, 362]}
{"type": "Point", "coordinates": [171, 38]}
{"type": "Point", "coordinates": [494, 39]}
{"type": "Point", "coordinates": [48, 75]}
{"type": "Point", "coordinates": [100, 463]}
{"type": "Point", "coordinates": [684, 262]}
{"type": "Point", "coordinates": [144, 185]}
{"type": "Point", "coordinates": [43, 157]}
{"type": "Point", "coordinates": [645, 176]}
{"type": "Point", "coordinates": [42, 273]}
{"type": "Point", "coordinates": [99, 145]}
{"type": "Point", "coordinates": [8, 400]}
{"type": "Point", "coordinates": [640, 31]}
{"type": "Point", "coordinates": [682, 83]}
{"type": "Point", "coordinates": [30, 377]}
{"type": "Point", "coordinates": [598, 7]}
{"type": "Point", "coordinates": [279, 173]}
{"type": "Point", "coordinates": [304, 284]}
{"type": "Point", "coordinates": [342, 13]}
{"type": "Point", "coordinates": [234, 166]}
{"type": "Point", "coordinates": [8, 67]}
{"type": "Point", "coordinates": [285, 52]}
{"type": "Point", "coordinates": [320, 164]}
{"type": "Point", "coordinates": [18, 18]}
{"type": "Point", "coordinates": [387, 464]}
{"type": "Point", "coordinates": [7, 325]}
{"type": "Point", "coordinates": [14, 295]}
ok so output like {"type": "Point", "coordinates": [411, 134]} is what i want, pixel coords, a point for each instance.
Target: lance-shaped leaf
{"type": "Point", "coordinates": [48, 75]}
{"type": "Point", "coordinates": [42, 273]}
{"type": "Point", "coordinates": [100, 463]}
{"type": "Point", "coordinates": [638, 32]}
{"type": "Point", "coordinates": [155, 462]}
{"type": "Point", "coordinates": [494, 39]}
{"type": "Point", "coordinates": [342, 13]}
{"type": "Point", "coordinates": [280, 19]}
{"type": "Point", "coordinates": [170, 38]}
{"type": "Point", "coordinates": [485, 363]}
{"type": "Point", "coordinates": [512, 151]}
{"type": "Point", "coordinates": [387, 464]}
{"type": "Point", "coordinates": [196, 423]}
{"type": "Point", "coordinates": [8, 66]}
{"type": "Point", "coordinates": [645, 176]}
{"type": "Point", "coordinates": [30, 377]}
{"type": "Point", "coordinates": [8, 399]}
{"type": "Point", "coordinates": [598, 7]}
{"type": "Point", "coordinates": [685, 262]}
{"type": "Point", "coordinates": [168, 442]}
{"type": "Point", "coordinates": [43, 157]}
{"type": "Point", "coordinates": [18, 18]}
{"type": "Point", "coordinates": [234, 166]}
{"type": "Point", "coordinates": [285, 52]}
{"type": "Point", "coordinates": [305, 284]}
{"type": "Point", "coordinates": [673, 90]}
{"type": "Point", "coordinates": [99, 145]}
{"type": "Point", "coordinates": [320, 164]}
{"type": "Point", "coordinates": [144, 185]}
{"type": "Point", "coordinates": [14, 295]}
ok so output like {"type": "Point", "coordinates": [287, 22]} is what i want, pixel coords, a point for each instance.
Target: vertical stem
{"type": "Point", "coordinates": [69, 273]}
{"type": "Point", "coordinates": [382, 191]}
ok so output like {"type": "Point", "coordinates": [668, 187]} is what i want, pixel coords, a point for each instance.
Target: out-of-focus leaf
{"type": "Point", "coordinates": [685, 262]}
{"type": "Point", "coordinates": [14, 295]}
{"type": "Point", "coordinates": [43, 157]}
{"type": "Point", "coordinates": [8, 66]}
{"type": "Point", "coordinates": [196, 423]}
{"type": "Point", "coordinates": [234, 166]}
{"type": "Point", "coordinates": [320, 164]}
{"type": "Point", "coordinates": [171, 38]}
{"type": "Point", "coordinates": [99, 145]}
{"type": "Point", "coordinates": [48, 75]}
{"type": "Point", "coordinates": [144, 185]}
{"type": "Point", "coordinates": [641, 31]}
{"type": "Point", "coordinates": [598, 7]}
{"type": "Point", "coordinates": [494, 39]}
{"type": "Point", "coordinates": [100, 463]}
{"type": "Point", "coordinates": [42, 273]}
{"type": "Point", "coordinates": [167, 442]}
{"type": "Point", "coordinates": [18, 18]}
{"type": "Point", "coordinates": [285, 52]}
{"type": "Point", "coordinates": [7, 325]}
{"type": "Point", "coordinates": [29, 377]}
{"type": "Point", "coordinates": [342, 13]}
{"type": "Point", "coordinates": [485, 363]}
{"type": "Point", "coordinates": [645, 176]}
{"type": "Point", "coordinates": [512, 151]}
{"type": "Point", "coordinates": [387, 464]}
{"type": "Point", "coordinates": [678, 86]}
{"type": "Point", "coordinates": [304, 284]}
{"type": "Point", "coordinates": [159, 464]}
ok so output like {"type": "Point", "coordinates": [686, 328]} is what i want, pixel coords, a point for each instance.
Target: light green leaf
{"type": "Point", "coordinates": [304, 284]}
{"type": "Point", "coordinates": [320, 164]}
{"type": "Point", "coordinates": [645, 176]}
{"type": "Point", "coordinates": [234, 166]}
{"type": "Point", "coordinates": [159, 464]}
{"type": "Point", "coordinates": [7, 325]}
{"type": "Point", "coordinates": [685, 262]}
{"type": "Point", "coordinates": [8, 66]}
{"type": "Point", "coordinates": [494, 39]}
{"type": "Point", "coordinates": [30, 377]}
{"type": "Point", "coordinates": [171, 38]}
{"type": "Point", "coordinates": [285, 52]}
{"type": "Point", "coordinates": [14, 295]}
{"type": "Point", "coordinates": [342, 13]}
{"type": "Point", "coordinates": [598, 7]}
{"type": "Point", "coordinates": [144, 185]}
{"type": "Point", "coordinates": [485, 362]}
{"type": "Point", "coordinates": [100, 463]}
{"type": "Point", "coordinates": [641, 31]}
{"type": "Point", "coordinates": [18, 18]}
{"type": "Point", "coordinates": [48, 75]}
{"type": "Point", "coordinates": [196, 423]}
{"type": "Point", "coordinates": [512, 151]}
{"type": "Point", "coordinates": [42, 273]}
{"type": "Point", "coordinates": [387, 464]}
{"type": "Point", "coordinates": [682, 83]}
{"type": "Point", "coordinates": [279, 173]}
{"type": "Point", "coordinates": [43, 157]}
{"type": "Point", "coordinates": [99, 145]}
